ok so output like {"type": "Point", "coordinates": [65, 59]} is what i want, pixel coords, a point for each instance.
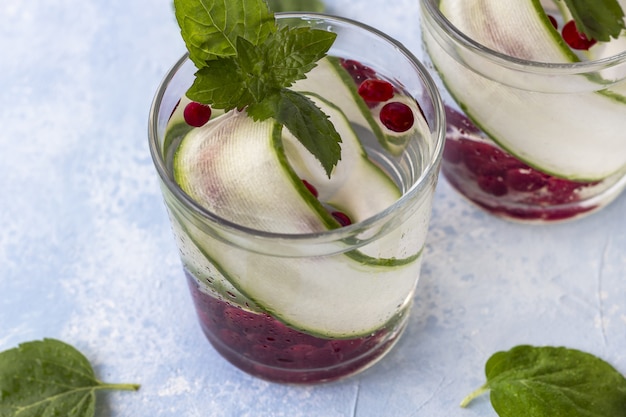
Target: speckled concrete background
{"type": "Point", "coordinates": [86, 254]}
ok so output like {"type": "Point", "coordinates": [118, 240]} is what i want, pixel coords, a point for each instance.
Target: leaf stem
{"type": "Point", "coordinates": [474, 395]}
{"type": "Point", "coordinates": [119, 387]}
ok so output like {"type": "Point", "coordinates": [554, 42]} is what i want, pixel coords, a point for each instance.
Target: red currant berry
{"type": "Point", "coordinates": [358, 71]}
{"type": "Point", "coordinates": [342, 218]}
{"type": "Point", "coordinates": [311, 188]}
{"type": "Point", "coordinates": [376, 90]}
{"type": "Point", "coordinates": [574, 38]}
{"type": "Point", "coordinates": [196, 114]}
{"type": "Point", "coordinates": [397, 117]}
{"type": "Point", "coordinates": [553, 21]}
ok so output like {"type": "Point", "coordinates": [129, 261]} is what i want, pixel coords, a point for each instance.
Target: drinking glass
{"type": "Point", "coordinates": [529, 141]}
{"type": "Point", "coordinates": [314, 307]}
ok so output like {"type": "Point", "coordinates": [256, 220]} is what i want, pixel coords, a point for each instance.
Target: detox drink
{"type": "Point", "coordinates": [536, 109]}
{"type": "Point", "coordinates": [298, 276]}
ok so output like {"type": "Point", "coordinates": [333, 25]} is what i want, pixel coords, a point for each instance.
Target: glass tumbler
{"type": "Point", "coordinates": [312, 307]}
{"type": "Point", "coordinates": [535, 142]}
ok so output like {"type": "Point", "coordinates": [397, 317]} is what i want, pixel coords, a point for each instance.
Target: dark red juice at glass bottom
{"type": "Point", "coordinates": [267, 348]}
{"type": "Point", "coordinates": [501, 183]}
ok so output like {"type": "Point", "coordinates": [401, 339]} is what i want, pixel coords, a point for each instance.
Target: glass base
{"type": "Point", "coordinates": [266, 348]}
{"type": "Point", "coordinates": [505, 186]}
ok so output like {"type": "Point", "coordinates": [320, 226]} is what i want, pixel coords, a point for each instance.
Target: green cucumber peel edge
{"type": "Point", "coordinates": [275, 314]}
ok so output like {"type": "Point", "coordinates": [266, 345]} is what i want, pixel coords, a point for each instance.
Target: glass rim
{"type": "Point", "coordinates": [437, 133]}
{"type": "Point", "coordinates": [519, 64]}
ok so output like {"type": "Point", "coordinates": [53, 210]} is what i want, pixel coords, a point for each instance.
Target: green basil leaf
{"type": "Point", "coordinates": [49, 378]}
{"type": "Point", "coordinates": [529, 381]}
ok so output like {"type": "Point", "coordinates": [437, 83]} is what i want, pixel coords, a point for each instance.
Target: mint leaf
{"type": "Point", "coordinates": [296, 5]}
{"type": "Point", "coordinates": [529, 381]}
{"type": "Point", "coordinates": [305, 121]}
{"type": "Point", "coordinates": [597, 19]}
{"type": "Point", "coordinates": [292, 52]}
{"type": "Point", "coordinates": [210, 28]}
{"type": "Point", "coordinates": [222, 84]}
{"type": "Point", "coordinates": [259, 70]}
{"type": "Point", "coordinates": [242, 65]}
{"type": "Point", "coordinates": [49, 377]}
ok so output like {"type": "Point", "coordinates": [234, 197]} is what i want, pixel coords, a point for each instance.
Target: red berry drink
{"type": "Point", "coordinates": [265, 347]}
{"type": "Point", "coordinates": [298, 276]}
{"type": "Point", "coordinates": [535, 127]}
{"type": "Point", "coordinates": [504, 185]}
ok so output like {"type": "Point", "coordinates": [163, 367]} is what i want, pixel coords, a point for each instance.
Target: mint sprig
{"type": "Point", "coordinates": [597, 19]}
{"type": "Point", "coordinates": [49, 377]}
{"type": "Point", "coordinates": [529, 381]}
{"type": "Point", "coordinates": [245, 61]}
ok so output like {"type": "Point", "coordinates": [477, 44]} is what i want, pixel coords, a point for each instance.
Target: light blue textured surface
{"type": "Point", "coordinates": [87, 256]}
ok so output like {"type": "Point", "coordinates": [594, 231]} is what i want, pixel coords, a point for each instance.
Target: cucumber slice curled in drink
{"type": "Point", "coordinates": [229, 167]}
{"type": "Point", "coordinates": [578, 136]}
{"type": "Point", "coordinates": [354, 178]}
{"type": "Point", "coordinates": [249, 173]}
{"type": "Point", "coordinates": [208, 273]}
